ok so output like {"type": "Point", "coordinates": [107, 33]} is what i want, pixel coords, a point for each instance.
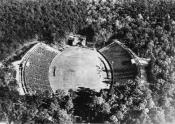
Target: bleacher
{"type": "Point", "coordinates": [36, 67]}
{"type": "Point", "coordinates": [120, 60]}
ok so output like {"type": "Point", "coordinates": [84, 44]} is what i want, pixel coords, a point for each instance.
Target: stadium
{"type": "Point", "coordinates": [46, 68]}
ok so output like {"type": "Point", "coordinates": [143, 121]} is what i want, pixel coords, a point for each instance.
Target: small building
{"type": "Point", "coordinates": [76, 40]}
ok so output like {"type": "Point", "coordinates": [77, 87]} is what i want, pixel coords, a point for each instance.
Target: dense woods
{"type": "Point", "coordinates": [147, 27]}
{"type": "Point", "coordinates": [44, 20]}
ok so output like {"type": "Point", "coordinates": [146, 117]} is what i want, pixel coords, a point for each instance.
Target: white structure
{"type": "Point", "coordinates": [76, 40]}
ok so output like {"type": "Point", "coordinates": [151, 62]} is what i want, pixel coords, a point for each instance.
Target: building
{"type": "Point", "coordinates": [45, 68]}
{"type": "Point", "coordinates": [76, 40]}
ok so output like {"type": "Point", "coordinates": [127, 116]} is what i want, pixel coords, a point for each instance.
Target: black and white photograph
{"type": "Point", "coordinates": [87, 61]}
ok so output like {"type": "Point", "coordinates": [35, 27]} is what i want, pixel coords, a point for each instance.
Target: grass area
{"type": "Point", "coordinates": [77, 67]}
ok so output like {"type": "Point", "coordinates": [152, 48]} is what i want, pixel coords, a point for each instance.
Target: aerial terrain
{"type": "Point", "coordinates": [118, 69]}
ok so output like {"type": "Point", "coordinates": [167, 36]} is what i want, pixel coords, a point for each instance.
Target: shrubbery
{"type": "Point", "coordinates": [45, 20]}
{"type": "Point", "coordinates": [147, 27]}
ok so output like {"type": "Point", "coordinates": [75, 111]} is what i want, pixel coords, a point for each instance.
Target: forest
{"type": "Point", "coordinates": [145, 26]}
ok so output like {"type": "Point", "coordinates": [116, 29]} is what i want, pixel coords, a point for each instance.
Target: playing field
{"type": "Point", "coordinates": [78, 67]}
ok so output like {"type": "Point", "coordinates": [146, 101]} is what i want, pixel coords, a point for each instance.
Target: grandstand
{"type": "Point", "coordinates": [45, 68]}
{"type": "Point", "coordinates": [34, 67]}
{"type": "Point", "coordinates": [125, 63]}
